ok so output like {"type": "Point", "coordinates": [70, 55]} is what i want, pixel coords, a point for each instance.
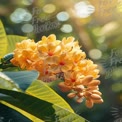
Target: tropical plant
{"type": "Point", "coordinates": [28, 67]}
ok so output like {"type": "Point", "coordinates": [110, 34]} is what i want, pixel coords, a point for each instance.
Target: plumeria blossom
{"type": "Point", "coordinates": [61, 59]}
{"type": "Point", "coordinates": [67, 44]}
{"type": "Point", "coordinates": [72, 78]}
{"type": "Point", "coordinates": [43, 69]}
{"type": "Point", "coordinates": [48, 46]}
{"type": "Point", "coordinates": [62, 63]}
{"type": "Point", "coordinates": [77, 56]}
{"type": "Point", "coordinates": [25, 54]}
{"type": "Point", "coordinates": [87, 67]}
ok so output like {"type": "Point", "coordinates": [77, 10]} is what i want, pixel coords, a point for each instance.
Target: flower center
{"type": "Point", "coordinates": [50, 53]}
{"type": "Point", "coordinates": [46, 72]}
{"type": "Point", "coordinates": [73, 80]}
{"type": "Point", "coordinates": [61, 63]}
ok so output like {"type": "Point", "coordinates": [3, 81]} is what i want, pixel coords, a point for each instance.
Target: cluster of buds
{"type": "Point", "coordinates": [63, 59]}
{"type": "Point", "coordinates": [87, 89]}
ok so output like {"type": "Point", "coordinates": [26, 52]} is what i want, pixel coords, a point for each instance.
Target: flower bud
{"type": "Point", "coordinates": [79, 88]}
{"type": "Point", "coordinates": [89, 103]}
{"type": "Point", "coordinates": [96, 92]}
{"type": "Point", "coordinates": [94, 83]}
{"type": "Point", "coordinates": [98, 101]}
{"type": "Point", "coordinates": [95, 96]}
{"type": "Point", "coordinates": [63, 87]}
{"type": "Point", "coordinates": [71, 95]}
{"type": "Point", "coordinates": [87, 93]}
{"type": "Point", "coordinates": [80, 94]}
{"type": "Point", "coordinates": [79, 100]}
{"type": "Point", "coordinates": [86, 80]}
{"type": "Point", "coordinates": [90, 88]}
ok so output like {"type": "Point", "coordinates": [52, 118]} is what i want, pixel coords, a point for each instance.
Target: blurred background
{"type": "Point", "coordinates": [96, 24]}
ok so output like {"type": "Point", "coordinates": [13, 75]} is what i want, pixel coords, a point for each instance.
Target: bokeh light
{"type": "Point", "coordinates": [27, 2]}
{"type": "Point", "coordinates": [95, 54]}
{"type": "Point", "coordinates": [62, 16]}
{"type": "Point", "coordinates": [83, 9]}
{"type": "Point", "coordinates": [66, 28]}
{"type": "Point", "coordinates": [27, 28]}
{"type": "Point", "coordinates": [20, 15]}
{"type": "Point", "coordinates": [49, 8]}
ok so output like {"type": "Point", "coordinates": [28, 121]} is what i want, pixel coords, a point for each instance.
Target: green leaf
{"type": "Point", "coordinates": [62, 111]}
{"type": "Point", "coordinates": [32, 105]}
{"type": "Point", "coordinates": [23, 78]}
{"type": "Point", "coordinates": [65, 113]}
{"type": "Point", "coordinates": [39, 108]}
{"type": "Point", "coordinates": [10, 115]}
{"type": "Point", "coordinates": [8, 80]}
{"type": "Point", "coordinates": [3, 41]}
{"type": "Point", "coordinates": [26, 114]}
{"type": "Point", "coordinates": [8, 42]}
{"type": "Point", "coordinates": [12, 40]}
{"type": "Point", "coordinates": [7, 83]}
{"type": "Point", "coordinates": [40, 90]}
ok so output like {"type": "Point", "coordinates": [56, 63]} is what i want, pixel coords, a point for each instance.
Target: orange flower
{"type": "Point", "coordinates": [72, 78]}
{"type": "Point", "coordinates": [61, 59]}
{"type": "Point", "coordinates": [25, 54]}
{"type": "Point", "coordinates": [85, 88]}
{"type": "Point", "coordinates": [61, 63]}
{"type": "Point", "coordinates": [77, 56]}
{"type": "Point", "coordinates": [67, 44]}
{"type": "Point", "coordinates": [87, 67]}
{"type": "Point", "coordinates": [48, 46]}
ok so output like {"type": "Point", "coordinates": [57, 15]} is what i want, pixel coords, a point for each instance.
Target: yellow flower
{"type": "Point", "coordinates": [47, 76]}
{"type": "Point", "coordinates": [48, 46]}
{"type": "Point", "coordinates": [87, 67]}
{"type": "Point", "coordinates": [67, 44]}
{"type": "Point", "coordinates": [25, 54]}
{"type": "Point", "coordinates": [26, 44]}
{"type": "Point", "coordinates": [61, 59]}
{"type": "Point", "coordinates": [72, 78]}
{"type": "Point", "coordinates": [77, 56]}
{"type": "Point", "coordinates": [61, 63]}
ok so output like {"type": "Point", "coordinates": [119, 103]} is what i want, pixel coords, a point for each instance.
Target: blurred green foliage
{"type": "Point", "coordinates": [102, 32]}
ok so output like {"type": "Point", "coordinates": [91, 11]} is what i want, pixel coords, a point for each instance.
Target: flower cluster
{"type": "Point", "coordinates": [64, 59]}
